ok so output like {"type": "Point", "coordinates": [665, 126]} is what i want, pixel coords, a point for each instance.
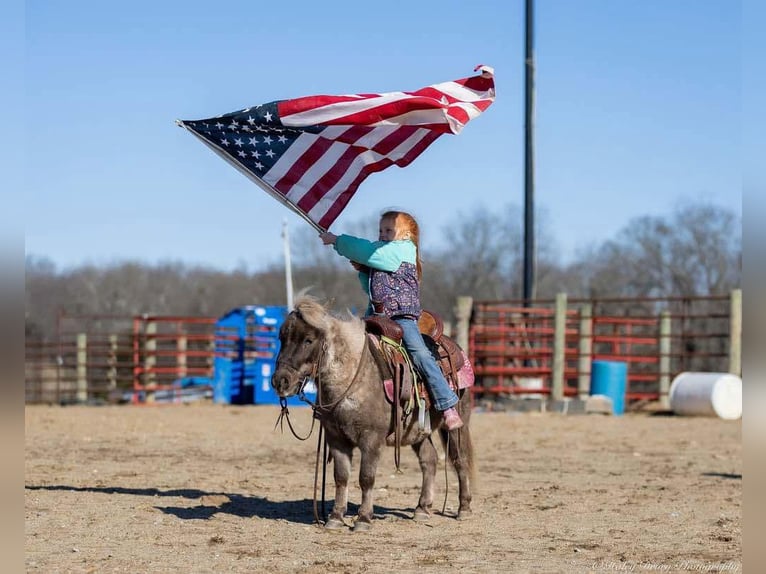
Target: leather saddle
{"type": "Point", "coordinates": [394, 367]}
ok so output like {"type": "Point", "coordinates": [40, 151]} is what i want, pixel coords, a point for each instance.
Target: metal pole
{"type": "Point", "coordinates": [529, 166]}
{"type": "Point", "coordinates": [288, 266]}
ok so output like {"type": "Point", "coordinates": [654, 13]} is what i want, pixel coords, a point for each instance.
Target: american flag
{"type": "Point", "coordinates": [312, 153]}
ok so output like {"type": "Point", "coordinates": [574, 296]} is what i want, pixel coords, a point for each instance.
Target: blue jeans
{"type": "Point", "coordinates": [441, 393]}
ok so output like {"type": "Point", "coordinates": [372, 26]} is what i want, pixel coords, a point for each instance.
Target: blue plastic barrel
{"type": "Point", "coordinates": [610, 378]}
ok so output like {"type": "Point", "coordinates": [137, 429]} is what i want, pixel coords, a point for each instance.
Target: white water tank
{"type": "Point", "coordinates": [707, 394]}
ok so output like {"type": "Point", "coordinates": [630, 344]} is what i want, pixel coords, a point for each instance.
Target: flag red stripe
{"type": "Point", "coordinates": [354, 134]}
{"type": "Point", "coordinates": [313, 154]}
{"type": "Point", "coordinates": [329, 179]}
{"type": "Point", "coordinates": [307, 103]}
{"type": "Point", "coordinates": [393, 140]}
{"type": "Point", "coordinates": [336, 171]}
{"type": "Point", "coordinates": [384, 111]}
{"type": "Point", "coordinates": [337, 207]}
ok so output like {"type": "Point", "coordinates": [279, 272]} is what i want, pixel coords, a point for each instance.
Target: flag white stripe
{"type": "Point", "coordinates": [373, 138]}
{"type": "Point", "coordinates": [316, 171]}
{"type": "Point", "coordinates": [331, 112]}
{"type": "Point", "coordinates": [416, 117]}
{"type": "Point", "coordinates": [286, 161]}
{"type": "Point", "coordinates": [461, 92]}
{"type": "Point", "coordinates": [305, 141]}
{"type": "Point", "coordinates": [359, 163]}
{"type": "Point", "coordinates": [470, 109]}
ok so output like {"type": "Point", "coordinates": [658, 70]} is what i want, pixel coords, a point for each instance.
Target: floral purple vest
{"type": "Point", "coordinates": [397, 293]}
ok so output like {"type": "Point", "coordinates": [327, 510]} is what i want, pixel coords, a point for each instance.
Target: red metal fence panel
{"type": "Point", "coordinates": [510, 345]}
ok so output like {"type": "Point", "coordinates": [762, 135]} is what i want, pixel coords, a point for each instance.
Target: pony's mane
{"type": "Point", "coordinates": [312, 311]}
{"type": "Point", "coordinates": [318, 316]}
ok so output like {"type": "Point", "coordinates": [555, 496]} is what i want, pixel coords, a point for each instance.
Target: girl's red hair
{"type": "Point", "coordinates": [406, 228]}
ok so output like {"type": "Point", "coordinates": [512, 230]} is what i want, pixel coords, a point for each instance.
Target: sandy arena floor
{"type": "Point", "coordinates": [209, 488]}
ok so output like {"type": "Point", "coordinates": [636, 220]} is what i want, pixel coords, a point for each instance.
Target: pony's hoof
{"type": "Point", "coordinates": [464, 514]}
{"type": "Point", "coordinates": [421, 515]}
{"type": "Point", "coordinates": [362, 526]}
{"type": "Point", "coordinates": [334, 524]}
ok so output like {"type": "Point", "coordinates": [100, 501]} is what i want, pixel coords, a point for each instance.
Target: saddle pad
{"type": "Point", "coordinates": [465, 376]}
{"type": "Point", "coordinates": [388, 386]}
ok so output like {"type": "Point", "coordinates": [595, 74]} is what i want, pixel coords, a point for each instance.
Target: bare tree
{"type": "Point", "coordinates": [695, 251]}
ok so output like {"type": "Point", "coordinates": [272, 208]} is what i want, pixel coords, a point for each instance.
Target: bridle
{"type": "Point", "coordinates": [284, 414]}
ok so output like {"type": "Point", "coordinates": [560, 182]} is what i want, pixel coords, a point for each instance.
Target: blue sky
{"type": "Point", "coordinates": [638, 108]}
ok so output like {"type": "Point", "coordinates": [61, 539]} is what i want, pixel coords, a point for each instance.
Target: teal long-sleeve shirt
{"type": "Point", "coordinates": [382, 255]}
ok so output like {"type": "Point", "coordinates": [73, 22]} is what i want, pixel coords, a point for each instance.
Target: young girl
{"type": "Point", "coordinates": [390, 270]}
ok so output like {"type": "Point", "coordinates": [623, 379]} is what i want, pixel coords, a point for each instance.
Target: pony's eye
{"type": "Point", "coordinates": [307, 342]}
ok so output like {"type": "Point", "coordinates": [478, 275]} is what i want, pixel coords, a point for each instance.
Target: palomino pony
{"type": "Point", "coordinates": [354, 412]}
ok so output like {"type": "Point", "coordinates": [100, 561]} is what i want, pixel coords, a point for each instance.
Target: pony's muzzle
{"type": "Point", "coordinates": [281, 384]}
{"type": "Point", "coordinates": [285, 380]}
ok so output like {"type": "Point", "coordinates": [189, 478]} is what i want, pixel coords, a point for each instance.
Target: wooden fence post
{"type": "Point", "coordinates": [112, 362]}
{"type": "Point", "coordinates": [82, 368]}
{"type": "Point", "coordinates": [585, 351]}
{"type": "Point", "coordinates": [462, 311]}
{"type": "Point", "coordinates": [150, 359]}
{"type": "Point", "coordinates": [665, 348]}
{"type": "Point", "coordinates": [735, 333]}
{"type": "Point", "coordinates": [559, 347]}
{"type": "Point", "coordinates": [181, 357]}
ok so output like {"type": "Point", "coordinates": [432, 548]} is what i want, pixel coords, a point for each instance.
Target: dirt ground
{"type": "Point", "coordinates": [210, 488]}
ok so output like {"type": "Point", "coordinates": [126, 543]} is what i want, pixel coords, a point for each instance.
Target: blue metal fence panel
{"type": "Point", "coordinates": [246, 348]}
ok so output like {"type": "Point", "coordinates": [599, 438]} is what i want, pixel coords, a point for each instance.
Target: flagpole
{"type": "Point", "coordinates": [288, 265]}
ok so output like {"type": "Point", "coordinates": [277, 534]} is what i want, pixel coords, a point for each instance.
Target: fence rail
{"type": "Point", "coordinates": [547, 348]}
{"type": "Point", "coordinates": [542, 350]}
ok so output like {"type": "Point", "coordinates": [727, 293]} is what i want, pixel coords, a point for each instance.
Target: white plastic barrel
{"type": "Point", "coordinates": [707, 394]}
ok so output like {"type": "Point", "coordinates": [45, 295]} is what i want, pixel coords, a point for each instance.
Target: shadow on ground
{"type": "Point", "coordinates": [297, 511]}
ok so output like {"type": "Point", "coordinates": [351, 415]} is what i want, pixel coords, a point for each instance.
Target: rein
{"type": "Point", "coordinates": [319, 411]}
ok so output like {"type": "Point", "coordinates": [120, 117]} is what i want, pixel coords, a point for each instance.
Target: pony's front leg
{"type": "Point", "coordinates": [427, 456]}
{"type": "Point", "coordinates": [367, 470]}
{"type": "Point", "coordinates": [341, 471]}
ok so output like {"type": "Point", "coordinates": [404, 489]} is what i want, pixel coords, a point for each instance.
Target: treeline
{"type": "Point", "coordinates": [695, 250]}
